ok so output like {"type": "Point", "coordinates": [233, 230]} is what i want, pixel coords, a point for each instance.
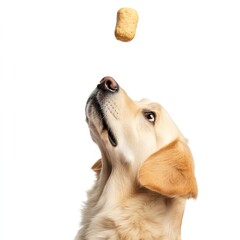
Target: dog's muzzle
{"type": "Point", "coordinates": [104, 89]}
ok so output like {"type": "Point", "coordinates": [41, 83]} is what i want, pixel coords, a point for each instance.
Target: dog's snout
{"type": "Point", "coordinates": [108, 84]}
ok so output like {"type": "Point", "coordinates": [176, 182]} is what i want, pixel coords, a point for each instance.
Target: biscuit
{"type": "Point", "coordinates": [127, 19]}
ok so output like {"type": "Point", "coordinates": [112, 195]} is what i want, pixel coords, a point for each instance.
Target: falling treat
{"type": "Point", "coordinates": [127, 19]}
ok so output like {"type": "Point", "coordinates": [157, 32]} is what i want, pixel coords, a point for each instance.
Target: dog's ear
{"type": "Point", "coordinates": [170, 171]}
{"type": "Point", "coordinates": [97, 166]}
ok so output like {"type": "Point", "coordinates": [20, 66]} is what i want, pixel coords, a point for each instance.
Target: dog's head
{"type": "Point", "coordinates": [143, 136]}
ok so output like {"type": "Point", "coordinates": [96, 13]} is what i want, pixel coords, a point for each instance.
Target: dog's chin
{"type": "Point", "coordinates": [103, 135]}
{"type": "Point", "coordinates": [111, 136]}
{"type": "Point", "coordinates": [95, 112]}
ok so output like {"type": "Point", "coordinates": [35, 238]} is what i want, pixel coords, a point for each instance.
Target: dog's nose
{"type": "Point", "coordinates": [108, 84]}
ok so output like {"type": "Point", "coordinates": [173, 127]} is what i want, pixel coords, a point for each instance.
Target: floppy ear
{"type": "Point", "coordinates": [170, 171]}
{"type": "Point", "coordinates": [97, 166]}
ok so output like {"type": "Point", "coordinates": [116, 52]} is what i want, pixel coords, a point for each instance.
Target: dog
{"type": "Point", "coordinates": [146, 170]}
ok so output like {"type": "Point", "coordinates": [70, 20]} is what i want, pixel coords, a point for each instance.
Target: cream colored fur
{"type": "Point", "coordinates": [142, 183]}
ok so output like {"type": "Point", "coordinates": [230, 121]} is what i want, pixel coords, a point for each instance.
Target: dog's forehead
{"type": "Point", "coordinates": [147, 103]}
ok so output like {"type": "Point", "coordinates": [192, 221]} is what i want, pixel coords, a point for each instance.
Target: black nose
{"type": "Point", "coordinates": [108, 84]}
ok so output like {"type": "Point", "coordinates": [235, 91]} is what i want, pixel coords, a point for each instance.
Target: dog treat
{"type": "Point", "coordinates": [127, 19]}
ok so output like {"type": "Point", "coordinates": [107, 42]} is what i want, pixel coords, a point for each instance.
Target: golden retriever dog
{"type": "Point", "coordinates": [146, 170]}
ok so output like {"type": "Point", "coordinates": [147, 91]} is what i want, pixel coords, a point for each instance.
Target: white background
{"type": "Point", "coordinates": [186, 55]}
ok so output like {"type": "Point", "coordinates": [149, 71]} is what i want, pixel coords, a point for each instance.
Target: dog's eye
{"type": "Point", "coordinates": [150, 116]}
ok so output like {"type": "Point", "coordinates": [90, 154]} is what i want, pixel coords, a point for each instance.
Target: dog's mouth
{"type": "Point", "coordinates": [111, 137]}
{"type": "Point", "coordinates": [106, 127]}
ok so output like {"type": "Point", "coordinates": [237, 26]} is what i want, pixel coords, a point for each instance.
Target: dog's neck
{"type": "Point", "coordinates": [117, 180]}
